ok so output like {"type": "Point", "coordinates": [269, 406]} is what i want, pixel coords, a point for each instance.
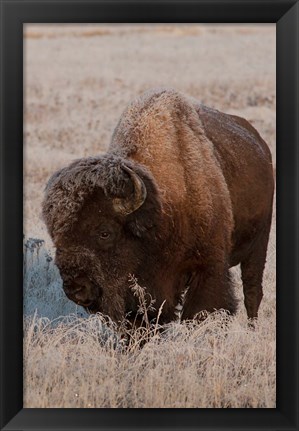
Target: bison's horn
{"type": "Point", "coordinates": [129, 205]}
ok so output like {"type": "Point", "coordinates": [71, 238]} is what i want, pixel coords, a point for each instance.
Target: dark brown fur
{"type": "Point", "coordinates": [209, 182]}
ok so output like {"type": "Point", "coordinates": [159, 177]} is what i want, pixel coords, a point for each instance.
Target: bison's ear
{"type": "Point", "coordinates": [128, 205]}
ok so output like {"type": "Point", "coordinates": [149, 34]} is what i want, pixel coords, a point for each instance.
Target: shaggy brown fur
{"type": "Point", "coordinates": [208, 207]}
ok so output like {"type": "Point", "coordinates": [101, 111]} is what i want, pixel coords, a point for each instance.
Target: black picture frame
{"type": "Point", "coordinates": [16, 13]}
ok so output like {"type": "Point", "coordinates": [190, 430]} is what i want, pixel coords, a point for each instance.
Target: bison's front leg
{"type": "Point", "coordinates": [209, 291]}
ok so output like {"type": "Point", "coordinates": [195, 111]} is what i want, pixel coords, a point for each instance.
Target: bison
{"type": "Point", "coordinates": [183, 193]}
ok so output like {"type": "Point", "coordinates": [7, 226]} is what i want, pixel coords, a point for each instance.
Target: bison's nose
{"type": "Point", "coordinates": [81, 291]}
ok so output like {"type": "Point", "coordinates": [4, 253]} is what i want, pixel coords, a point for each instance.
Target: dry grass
{"type": "Point", "coordinates": [218, 363]}
{"type": "Point", "coordinates": [72, 105]}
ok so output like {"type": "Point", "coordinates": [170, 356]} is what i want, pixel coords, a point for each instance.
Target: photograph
{"type": "Point", "coordinates": [149, 218]}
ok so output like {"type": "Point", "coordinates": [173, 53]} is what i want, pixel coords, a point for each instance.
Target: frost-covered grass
{"type": "Point", "coordinates": [219, 363]}
{"type": "Point", "coordinates": [43, 294]}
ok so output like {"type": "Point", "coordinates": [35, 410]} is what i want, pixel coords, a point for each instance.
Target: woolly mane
{"type": "Point", "coordinates": [68, 188]}
{"type": "Point", "coordinates": [155, 111]}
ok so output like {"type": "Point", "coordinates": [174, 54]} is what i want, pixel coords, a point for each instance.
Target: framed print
{"type": "Point", "coordinates": [150, 142]}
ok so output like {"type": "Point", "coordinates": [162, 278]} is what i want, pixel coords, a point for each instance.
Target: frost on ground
{"type": "Point", "coordinates": [42, 285]}
{"type": "Point", "coordinates": [219, 363]}
{"type": "Point", "coordinates": [71, 107]}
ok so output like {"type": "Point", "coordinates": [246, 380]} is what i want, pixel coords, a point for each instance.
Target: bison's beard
{"type": "Point", "coordinates": [118, 308]}
{"type": "Point", "coordinates": [93, 308]}
{"type": "Point", "coordinates": [111, 305]}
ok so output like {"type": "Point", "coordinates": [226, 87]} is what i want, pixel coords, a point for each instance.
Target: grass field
{"type": "Point", "coordinates": [78, 80]}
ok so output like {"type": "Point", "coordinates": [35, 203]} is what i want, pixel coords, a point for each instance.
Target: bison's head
{"type": "Point", "coordinates": [104, 216]}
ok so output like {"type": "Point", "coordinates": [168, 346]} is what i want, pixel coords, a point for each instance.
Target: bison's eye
{"type": "Point", "coordinates": [104, 235]}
